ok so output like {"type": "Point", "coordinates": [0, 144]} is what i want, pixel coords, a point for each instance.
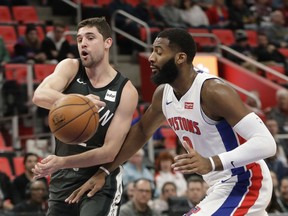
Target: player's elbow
{"type": "Point", "coordinates": [270, 146]}
{"type": "Point", "coordinates": [110, 157]}
{"type": "Point", "coordinates": [36, 98]}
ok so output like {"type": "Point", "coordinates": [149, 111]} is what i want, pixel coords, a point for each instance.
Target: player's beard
{"type": "Point", "coordinates": [167, 74]}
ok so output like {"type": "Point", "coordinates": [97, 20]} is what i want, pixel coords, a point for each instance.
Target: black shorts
{"type": "Point", "coordinates": [103, 203]}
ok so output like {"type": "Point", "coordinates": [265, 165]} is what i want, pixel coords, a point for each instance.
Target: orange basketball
{"type": "Point", "coordinates": [73, 119]}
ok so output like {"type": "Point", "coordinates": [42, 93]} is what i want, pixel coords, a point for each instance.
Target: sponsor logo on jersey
{"type": "Point", "coordinates": [81, 81]}
{"type": "Point", "coordinates": [193, 211]}
{"type": "Point", "coordinates": [189, 105]}
{"type": "Point", "coordinates": [168, 102]}
{"type": "Point", "coordinates": [110, 95]}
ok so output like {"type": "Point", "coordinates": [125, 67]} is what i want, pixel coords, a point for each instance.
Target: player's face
{"type": "Point", "coordinates": [91, 46]}
{"type": "Point", "coordinates": [162, 61]}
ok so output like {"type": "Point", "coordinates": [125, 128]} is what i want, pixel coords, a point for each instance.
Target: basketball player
{"type": "Point", "coordinates": [225, 142]}
{"type": "Point", "coordinates": [117, 98]}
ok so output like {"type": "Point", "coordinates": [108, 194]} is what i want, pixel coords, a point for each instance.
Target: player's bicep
{"type": "Point", "coordinates": [61, 77]}
{"type": "Point", "coordinates": [219, 100]}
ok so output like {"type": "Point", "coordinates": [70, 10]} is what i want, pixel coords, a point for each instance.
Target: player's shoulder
{"type": "Point", "coordinates": [214, 86]}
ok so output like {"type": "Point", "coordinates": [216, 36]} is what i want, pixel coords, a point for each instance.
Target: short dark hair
{"type": "Point", "coordinates": [28, 154]}
{"type": "Point", "coordinates": [180, 40]}
{"type": "Point", "coordinates": [100, 23]}
{"type": "Point", "coordinates": [168, 183]}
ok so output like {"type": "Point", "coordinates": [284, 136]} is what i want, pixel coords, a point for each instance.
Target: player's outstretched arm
{"type": "Point", "coordinates": [138, 135]}
{"type": "Point", "coordinates": [220, 101]}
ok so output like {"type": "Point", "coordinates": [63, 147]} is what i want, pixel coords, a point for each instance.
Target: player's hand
{"type": "Point", "coordinates": [96, 100]}
{"type": "Point", "coordinates": [191, 162]}
{"type": "Point", "coordinates": [47, 166]}
{"type": "Point", "coordinates": [94, 184]}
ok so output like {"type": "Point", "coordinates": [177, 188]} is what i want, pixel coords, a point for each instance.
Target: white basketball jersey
{"type": "Point", "coordinates": [206, 136]}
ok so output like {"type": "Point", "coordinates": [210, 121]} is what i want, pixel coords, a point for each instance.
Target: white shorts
{"type": "Point", "coordinates": [247, 193]}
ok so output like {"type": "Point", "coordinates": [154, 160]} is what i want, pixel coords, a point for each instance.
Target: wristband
{"type": "Point", "coordinates": [105, 170]}
{"type": "Point", "coordinates": [212, 163]}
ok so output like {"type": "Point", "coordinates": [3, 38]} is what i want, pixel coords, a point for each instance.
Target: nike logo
{"type": "Point", "coordinates": [168, 102]}
{"type": "Point", "coordinates": [225, 180]}
{"type": "Point", "coordinates": [232, 163]}
{"type": "Point", "coordinates": [81, 82]}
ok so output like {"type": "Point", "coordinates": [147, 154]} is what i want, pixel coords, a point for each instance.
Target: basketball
{"type": "Point", "coordinates": [73, 119]}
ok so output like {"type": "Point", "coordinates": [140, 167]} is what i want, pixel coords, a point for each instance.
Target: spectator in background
{"type": "Point", "coordinates": [125, 24]}
{"type": "Point", "coordinates": [283, 198]}
{"type": "Point", "coordinates": [218, 14]}
{"type": "Point", "coordinates": [55, 45]}
{"type": "Point", "coordinates": [267, 53]}
{"type": "Point", "coordinates": [284, 11]}
{"type": "Point", "coordinates": [172, 14]}
{"type": "Point", "coordinates": [280, 111]}
{"type": "Point", "coordinates": [149, 14]}
{"type": "Point", "coordinates": [274, 205]}
{"type": "Point", "coordinates": [138, 206]}
{"type": "Point", "coordinates": [240, 16]}
{"type": "Point", "coordinates": [28, 48]}
{"type": "Point", "coordinates": [192, 14]}
{"type": "Point", "coordinates": [168, 190]}
{"type": "Point", "coordinates": [164, 173]}
{"type": "Point", "coordinates": [277, 32]}
{"type": "Point", "coordinates": [135, 169]}
{"type": "Point", "coordinates": [282, 152]}
{"type": "Point", "coordinates": [35, 200]}
{"type": "Point", "coordinates": [242, 46]}
{"type": "Point", "coordinates": [7, 198]}
{"type": "Point", "coordinates": [20, 182]}
{"type": "Point", "coordinates": [128, 192]}
{"type": "Point", "coordinates": [261, 11]}
{"type": "Point", "coordinates": [4, 54]}
{"type": "Point", "coordinates": [194, 194]}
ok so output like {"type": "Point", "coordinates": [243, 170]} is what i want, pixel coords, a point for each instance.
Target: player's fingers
{"type": "Point", "coordinates": [181, 157]}
{"type": "Point", "coordinates": [72, 196]}
{"type": "Point", "coordinates": [94, 190]}
{"type": "Point", "coordinates": [187, 147]}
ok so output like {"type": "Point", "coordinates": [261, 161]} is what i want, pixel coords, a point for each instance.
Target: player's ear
{"type": "Point", "coordinates": [108, 43]}
{"type": "Point", "coordinates": [181, 57]}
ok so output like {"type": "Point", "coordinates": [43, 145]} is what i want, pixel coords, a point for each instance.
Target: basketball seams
{"type": "Point", "coordinates": [73, 119]}
{"type": "Point", "coordinates": [84, 129]}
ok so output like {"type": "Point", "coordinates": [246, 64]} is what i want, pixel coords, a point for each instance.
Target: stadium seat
{"type": "Point", "coordinates": [5, 15]}
{"type": "Point", "coordinates": [283, 51]}
{"type": "Point", "coordinates": [6, 167]}
{"type": "Point", "coordinates": [252, 37]}
{"type": "Point", "coordinates": [22, 28]}
{"type": "Point", "coordinates": [275, 78]}
{"type": "Point", "coordinates": [42, 70]}
{"type": "Point", "coordinates": [10, 48]}
{"type": "Point", "coordinates": [25, 14]}
{"type": "Point", "coordinates": [3, 146]}
{"type": "Point", "coordinates": [202, 41]}
{"type": "Point", "coordinates": [16, 72]}
{"type": "Point", "coordinates": [18, 165]}
{"type": "Point", "coordinates": [156, 3]}
{"type": "Point", "coordinates": [8, 33]}
{"type": "Point", "coordinates": [226, 36]}
{"type": "Point", "coordinates": [103, 2]}
{"type": "Point", "coordinates": [143, 33]}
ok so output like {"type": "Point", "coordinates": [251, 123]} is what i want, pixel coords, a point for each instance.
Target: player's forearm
{"type": "Point", "coordinates": [89, 158]}
{"type": "Point", "coordinates": [46, 97]}
{"type": "Point", "coordinates": [133, 142]}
